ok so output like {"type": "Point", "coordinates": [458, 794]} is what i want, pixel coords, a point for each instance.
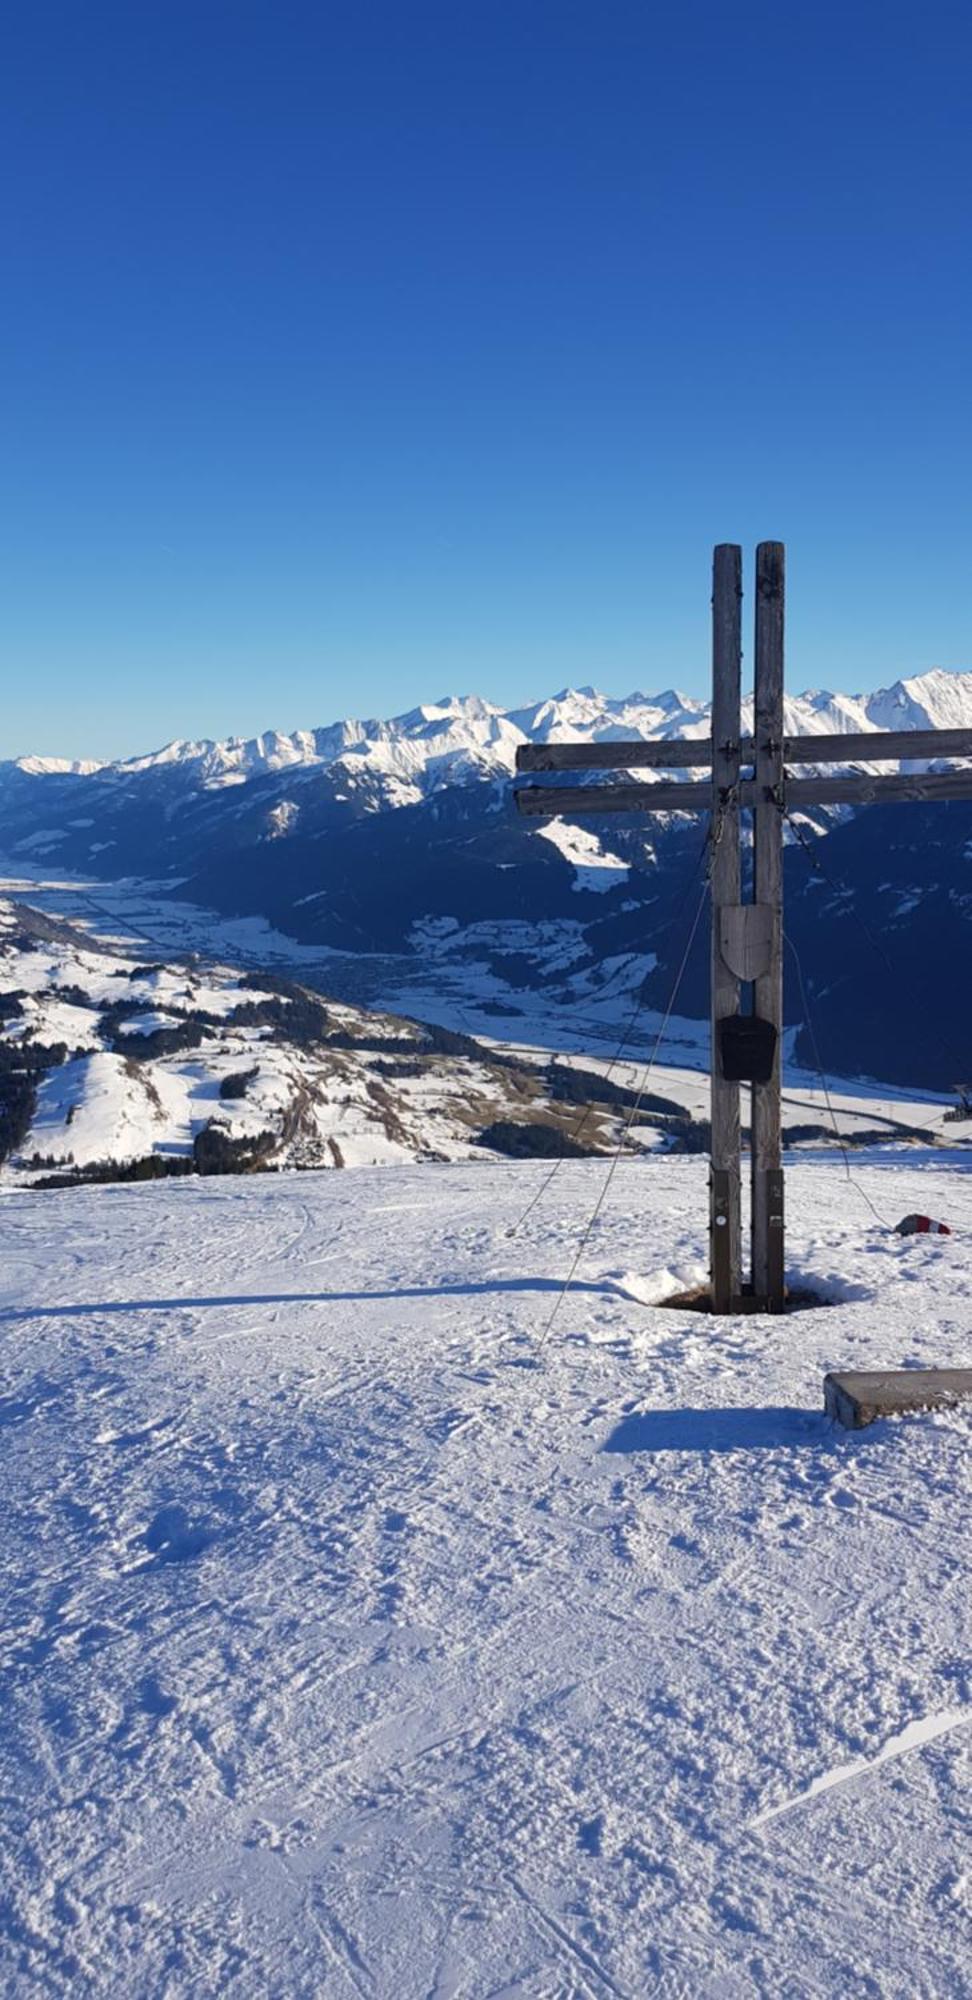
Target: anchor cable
{"type": "Point", "coordinates": [712, 836]}
{"type": "Point", "coordinates": [812, 1032]}
{"type": "Point", "coordinates": [602, 1197]}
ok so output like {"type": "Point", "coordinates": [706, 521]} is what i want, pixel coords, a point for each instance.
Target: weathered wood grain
{"type": "Point", "coordinates": [549, 801]}
{"type": "Point", "coordinates": [725, 1245]}
{"type": "Point", "coordinates": [766, 1122]}
{"type": "Point", "coordinates": [883, 746]}
{"type": "Point", "coordinates": [670, 754]}
{"type": "Point", "coordinates": [867, 790]}
{"type": "Point", "coordinates": [856, 1397]}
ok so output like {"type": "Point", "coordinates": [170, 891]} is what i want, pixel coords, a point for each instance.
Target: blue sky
{"type": "Point", "coordinates": [356, 352]}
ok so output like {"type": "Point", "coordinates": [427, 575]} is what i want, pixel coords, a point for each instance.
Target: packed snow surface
{"type": "Point", "coordinates": [366, 1635]}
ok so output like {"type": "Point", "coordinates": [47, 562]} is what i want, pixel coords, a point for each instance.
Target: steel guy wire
{"type": "Point", "coordinates": [602, 1197]}
{"type": "Point", "coordinates": [712, 837]}
{"type": "Point", "coordinates": [811, 1029]}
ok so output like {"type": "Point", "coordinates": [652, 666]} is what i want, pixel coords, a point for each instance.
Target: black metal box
{"type": "Point", "coordinates": [747, 1047]}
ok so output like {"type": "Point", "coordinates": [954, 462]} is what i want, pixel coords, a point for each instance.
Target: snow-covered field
{"type": "Point", "coordinates": [129, 912]}
{"type": "Point", "coordinates": [353, 1646]}
{"type": "Point", "coordinates": [129, 1060]}
{"type": "Point", "coordinates": [118, 913]}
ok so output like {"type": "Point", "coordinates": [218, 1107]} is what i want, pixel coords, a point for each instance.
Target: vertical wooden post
{"type": "Point", "coordinates": [767, 1172]}
{"type": "Point", "coordinates": [724, 1190]}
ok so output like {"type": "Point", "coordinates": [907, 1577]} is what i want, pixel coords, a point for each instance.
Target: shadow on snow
{"type": "Point", "coordinates": [458, 1291]}
{"type": "Point", "coordinates": [719, 1430]}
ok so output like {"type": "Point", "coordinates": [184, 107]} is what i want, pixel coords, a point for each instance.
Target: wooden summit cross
{"type": "Point", "coordinates": [747, 938]}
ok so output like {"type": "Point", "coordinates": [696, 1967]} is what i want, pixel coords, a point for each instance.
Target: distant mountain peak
{"type": "Point", "coordinates": [355, 837]}
{"type": "Point", "coordinates": [468, 735]}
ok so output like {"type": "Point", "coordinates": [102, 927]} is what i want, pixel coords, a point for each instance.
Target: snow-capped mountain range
{"type": "Point", "coordinates": [393, 851]}
{"type": "Point", "coordinates": [465, 737]}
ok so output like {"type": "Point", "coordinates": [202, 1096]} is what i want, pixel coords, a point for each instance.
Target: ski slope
{"type": "Point", "coordinates": [353, 1646]}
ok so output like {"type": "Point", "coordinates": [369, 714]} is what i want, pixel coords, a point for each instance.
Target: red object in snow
{"type": "Point", "coordinates": [921, 1225]}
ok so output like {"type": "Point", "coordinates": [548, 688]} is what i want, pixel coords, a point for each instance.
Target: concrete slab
{"type": "Point", "coordinates": [857, 1397]}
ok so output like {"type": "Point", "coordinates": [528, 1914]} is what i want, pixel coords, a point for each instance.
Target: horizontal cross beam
{"type": "Point", "coordinates": [878, 746]}
{"type": "Point", "coordinates": [548, 801]}
{"type": "Point", "coordinates": [680, 753]}
{"type": "Point", "coordinates": [667, 754]}
{"type": "Point", "coordinates": [891, 788]}
{"type": "Point", "coordinates": [894, 788]}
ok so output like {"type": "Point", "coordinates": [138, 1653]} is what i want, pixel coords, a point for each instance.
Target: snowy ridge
{"type": "Point", "coordinates": [464, 736]}
{"type": "Point", "coordinates": [40, 767]}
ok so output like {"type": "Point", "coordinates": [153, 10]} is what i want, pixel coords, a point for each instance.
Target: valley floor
{"type": "Point", "coordinates": [352, 1647]}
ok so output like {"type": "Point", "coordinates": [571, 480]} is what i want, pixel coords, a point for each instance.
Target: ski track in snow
{"type": "Point", "coordinates": [924, 1730]}
{"type": "Point", "coordinates": [346, 1648]}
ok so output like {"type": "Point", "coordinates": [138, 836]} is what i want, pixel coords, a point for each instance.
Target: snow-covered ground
{"type": "Point", "coordinates": [131, 912]}
{"type": "Point", "coordinates": [356, 1642]}
{"type": "Point", "coordinates": [305, 1084]}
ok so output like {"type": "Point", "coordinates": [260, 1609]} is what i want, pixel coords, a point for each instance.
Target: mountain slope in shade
{"type": "Point", "coordinates": [397, 845]}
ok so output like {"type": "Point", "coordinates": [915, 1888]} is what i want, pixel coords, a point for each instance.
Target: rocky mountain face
{"type": "Point", "coordinates": [397, 841]}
